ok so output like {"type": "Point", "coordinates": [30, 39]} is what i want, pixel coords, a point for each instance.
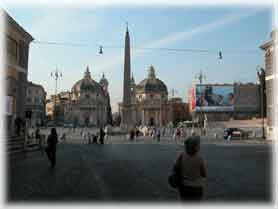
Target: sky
{"type": "Point", "coordinates": [237, 31]}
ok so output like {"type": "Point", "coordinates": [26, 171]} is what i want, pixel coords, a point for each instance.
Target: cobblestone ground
{"type": "Point", "coordinates": [137, 171]}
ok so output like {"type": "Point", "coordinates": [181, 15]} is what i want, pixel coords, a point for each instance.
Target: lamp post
{"type": "Point", "coordinates": [261, 77]}
{"type": "Point", "coordinates": [201, 77]}
{"type": "Point", "coordinates": [56, 74]}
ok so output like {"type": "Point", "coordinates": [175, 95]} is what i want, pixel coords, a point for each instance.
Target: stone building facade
{"type": "Point", "coordinates": [146, 103]}
{"type": "Point", "coordinates": [87, 104]}
{"type": "Point", "coordinates": [17, 42]}
{"type": "Point", "coordinates": [35, 103]}
{"type": "Point", "coordinates": [270, 49]}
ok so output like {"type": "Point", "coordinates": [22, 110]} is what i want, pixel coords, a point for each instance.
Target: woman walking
{"type": "Point", "coordinates": [191, 170]}
{"type": "Point", "coordinates": [50, 150]}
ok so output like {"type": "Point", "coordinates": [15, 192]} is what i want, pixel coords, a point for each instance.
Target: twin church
{"type": "Point", "coordinates": [145, 103]}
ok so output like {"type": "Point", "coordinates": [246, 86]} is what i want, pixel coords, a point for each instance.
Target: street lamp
{"type": "Point", "coordinates": [56, 74]}
{"type": "Point", "coordinates": [261, 77]}
{"type": "Point", "coordinates": [201, 77]}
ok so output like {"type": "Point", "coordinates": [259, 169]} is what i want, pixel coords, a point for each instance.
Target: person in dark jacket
{"type": "Point", "coordinates": [18, 123]}
{"type": "Point", "coordinates": [37, 135]}
{"type": "Point", "coordinates": [50, 150]}
{"type": "Point", "coordinates": [131, 134]}
{"type": "Point", "coordinates": [101, 136]}
{"type": "Point", "coordinates": [192, 171]}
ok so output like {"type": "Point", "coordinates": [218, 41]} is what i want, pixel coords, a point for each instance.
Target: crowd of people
{"type": "Point", "coordinates": [177, 134]}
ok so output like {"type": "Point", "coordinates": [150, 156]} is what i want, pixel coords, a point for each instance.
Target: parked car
{"type": "Point", "coordinates": [68, 125]}
{"type": "Point", "coordinates": [50, 125]}
{"type": "Point", "coordinates": [235, 133]}
{"type": "Point", "coordinates": [59, 124]}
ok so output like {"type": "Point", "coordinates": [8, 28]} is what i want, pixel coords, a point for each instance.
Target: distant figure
{"type": "Point", "coordinates": [137, 132]}
{"type": "Point", "coordinates": [163, 131]}
{"type": "Point", "coordinates": [18, 123]}
{"type": "Point", "coordinates": [37, 135]}
{"type": "Point", "coordinates": [89, 138]}
{"type": "Point", "coordinates": [50, 150]}
{"type": "Point", "coordinates": [175, 136]}
{"type": "Point", "coordinates": [39, 139]}
{"type": "Point", "coordinates": [158, 134]}
{"type": "Point", "coordinates": [101, 136]}
{"type": "Point", "coordinates": [178, 133]}
{"type": "Point", "coordinates": [184, 134]}
{"type": "Point", "coordinates": [108, 131]}
{"type": "Point", "coordinates": [192, 171]}
{"type": "Point", "coordinates": [95, 139]}
{"type": "Point", "coordinates": [193, 132]}
{"type": "Point", "coordinates": [63, 137]}
{"type": "Point", "coordinates": [84, 136]}
{"type": "Point", "coordinates": [153, 134]}
{"type": "Point", "coordinates": [131, 134]}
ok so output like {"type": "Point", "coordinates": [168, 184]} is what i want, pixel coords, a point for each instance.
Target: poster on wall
{"type": "Point", "coordinates": [214, 98]}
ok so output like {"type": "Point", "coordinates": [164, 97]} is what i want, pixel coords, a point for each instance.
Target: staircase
{"type": "Point", "coordinates": [14, 144]}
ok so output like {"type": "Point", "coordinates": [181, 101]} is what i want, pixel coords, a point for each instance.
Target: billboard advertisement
{"type": "Point", "coordinates": [192, 97]}
{"type": "Point", "coordinates": [218, 98]}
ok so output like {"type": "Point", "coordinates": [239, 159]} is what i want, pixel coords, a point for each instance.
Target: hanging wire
{"type": "Point", "coordinates": [189, 50]}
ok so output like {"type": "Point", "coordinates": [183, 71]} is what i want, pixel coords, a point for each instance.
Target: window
{"type": "Point", "coordinates": [23, 54]}
{"type": "Point", "coordinates": [12, 48]}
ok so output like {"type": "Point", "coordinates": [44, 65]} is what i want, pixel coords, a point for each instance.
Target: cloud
{"type": "Point", "coordinates": [60, 24]}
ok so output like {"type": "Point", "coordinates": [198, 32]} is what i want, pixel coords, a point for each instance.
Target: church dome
{"type": "Point", "coordinates": [152, 84]}
{"type": "Point", "coordinates": [87, 84]}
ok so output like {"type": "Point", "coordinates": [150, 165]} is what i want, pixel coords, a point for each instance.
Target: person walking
{"type": "Point", "coordinates": [158, 134]}
{"type": "Point", "coordinates": [153, 133]}
{"type": "Point", "coordinates": [101, 135]}
{"type": "Point", "coordinates": [63, 137]}
{"type": "Point", "coordinates": [108, 132]}
{"type": "Point", "coordinates": [84, 137]}
{"type": "Point", "coordinates": [95, 139]}
{"type": "Point", "coordinates": [131, 134]}
{"type": "Point", "coordinates": [89, 137]}
{"type": "Point", "coordinates": [37, 135]}
{"type": "Point", "coordinates": [50, 150]}
{"type": "Point", "coordinates": [137, 133]}
{"type": "Point", "coordinates": [175, 136]}
{"type": "Point", "coordinates": [191, 170]}
{"type": "Point", "coordinates": [178, 134]}
{"type": "Point", "coordinates": [18, 123]}
{"type": "Point", "coordinates": [163, 131]}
